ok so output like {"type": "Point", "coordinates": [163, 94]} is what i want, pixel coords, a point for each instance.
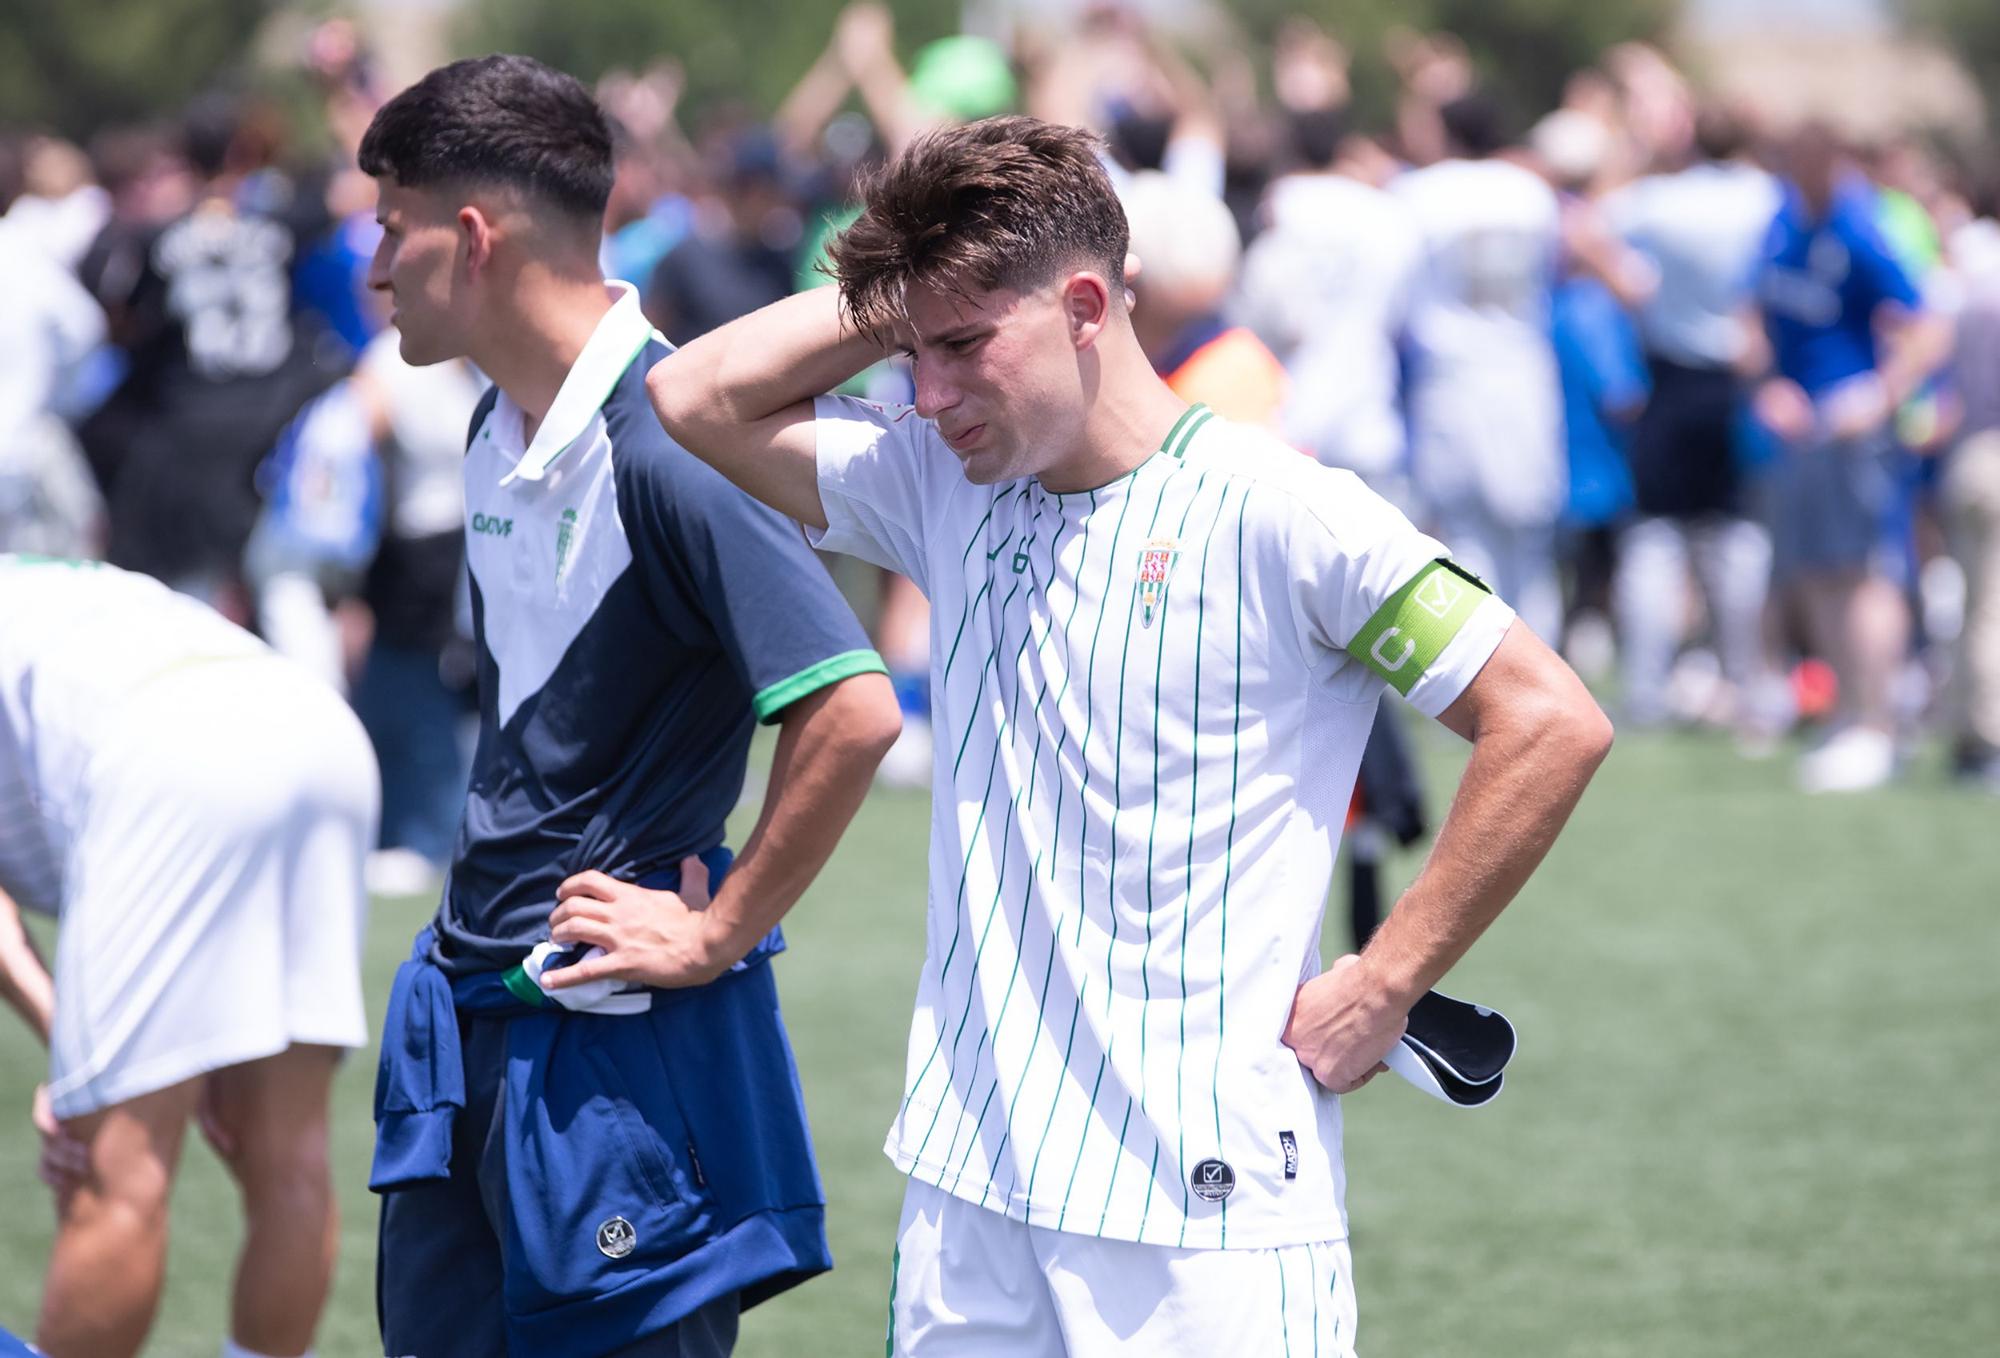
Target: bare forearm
{"type": "Point", "coordinates": [1518, 791]}
{"type": "Point", "coordinates": [740, 398]}
{"type": "Point", "coordinates": [752, 368]}
{"type": "Point", "coordinates": [827, 752]}
{"type": "Point", "coordinates": [1917, 350]}
{"type": "Point", "coordinates": [25, 984]}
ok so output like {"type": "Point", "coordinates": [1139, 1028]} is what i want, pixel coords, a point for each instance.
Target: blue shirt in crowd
{"type": "Point", "coordinates": [1604, 383]}
{"type": "Point", "coordinates": [1821, 285]}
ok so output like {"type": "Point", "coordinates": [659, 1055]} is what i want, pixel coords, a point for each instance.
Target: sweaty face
{"type": "Point", "coordinates": [998, 374]}
{"type": "Point", "coordinates": [416, 267]}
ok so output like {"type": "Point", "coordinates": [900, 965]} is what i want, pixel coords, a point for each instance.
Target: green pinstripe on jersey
{"type": "Point", "coordinates": [1111, 881]}
{"type": "Point", "coordinates": [1027, 892]}
{"type": "Point", "coordinates": [972, 840]}
{"type": "Point", "coordinates": [1152, 832]}
{"type": "Point", "coordinates": [966, 556]}
{"type": "Point", "coordinates": [1194, 808]}
{"type": "Point", "coordinates": [1006, 998]}
{"type": "Point", "coordinates": [1083, 558]}
{"type": "Point", "coordinates": [1229, 865]}
{"type": "Point", "coordinates": [1083, 758]}
{"type": "Point", "coordinates": [1010, 724]}
{"type": "Point", "coordinates": [993, 910]}
{"type": "Point", "coordinates": [1083, 749]}
{"type": "Point", "coordinates": [1083, 834]}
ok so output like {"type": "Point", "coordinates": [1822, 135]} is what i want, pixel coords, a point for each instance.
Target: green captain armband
{"type": "Point", "coordinates": [1413, 628]}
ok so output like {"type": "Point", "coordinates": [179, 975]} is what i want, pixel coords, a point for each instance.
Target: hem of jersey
{"type": "Point", "coordinates": [774, 699]}
{"type": "Point", "coordinates": [1044, 1216]}
{"type": "Point", "coordinates": [101, 1083]}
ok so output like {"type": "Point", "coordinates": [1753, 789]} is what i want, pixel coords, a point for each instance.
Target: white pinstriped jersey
{"type": "Point", "coordinates": [1147, 728]}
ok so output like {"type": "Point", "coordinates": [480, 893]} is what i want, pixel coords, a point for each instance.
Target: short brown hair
{"type": "Point", "coordinates": [1002, 202]}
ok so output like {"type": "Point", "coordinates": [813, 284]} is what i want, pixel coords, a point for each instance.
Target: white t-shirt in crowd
{"type": "Point", "coordinates": [1326, 285]}
{"type": "Point", "coordinates": [1703, 229]}
{"type": "Point", "coordinates": [1485, 399]}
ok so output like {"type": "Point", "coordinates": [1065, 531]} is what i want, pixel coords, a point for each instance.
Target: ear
{"type": "Point", "coordinates": [476, 235]}
{"type": "Point", "coordinates": [1087, 304]}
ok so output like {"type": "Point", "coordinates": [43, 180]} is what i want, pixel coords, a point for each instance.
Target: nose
{"type": "Point", "coordinates": [378, 267]}
{"type": "Point", "coordinates": [936, 393]}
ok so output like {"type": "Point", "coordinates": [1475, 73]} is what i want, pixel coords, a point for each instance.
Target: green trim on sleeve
{"type": "Point", "coordinates": [781, 695]}
{"type": "Point", "coordinates": [1412, 629]}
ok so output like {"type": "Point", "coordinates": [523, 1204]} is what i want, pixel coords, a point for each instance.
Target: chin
{"type": "Point", "coordinates": [418, 351]}
{"type": "Point", "coordinates": [989, 467]}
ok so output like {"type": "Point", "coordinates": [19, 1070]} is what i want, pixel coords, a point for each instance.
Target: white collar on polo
{"type": "Point", "coordinates": [617, 340]}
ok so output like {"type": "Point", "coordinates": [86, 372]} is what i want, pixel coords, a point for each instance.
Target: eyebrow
{"type": "Point", "coordinates": [969, 330]}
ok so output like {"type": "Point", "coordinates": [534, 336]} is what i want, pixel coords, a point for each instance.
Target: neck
{"type": "Point", "coordinates": [1157, 327]}
{"type": "Point", "coordinates": [1129, 417]}
{"type": "Point", "coordinates": [529, 349]}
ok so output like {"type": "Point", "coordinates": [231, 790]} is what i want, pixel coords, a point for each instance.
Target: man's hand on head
{"type": "Point", "coordinates": [1344, 1021]}
{"type": "Point", "coordinates": [656, 938]}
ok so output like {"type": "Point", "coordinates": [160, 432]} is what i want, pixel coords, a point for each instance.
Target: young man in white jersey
{"type": "Point", "coordinates": [196, 811]}
{"type": "Point", "coordinates": [1158, 644]}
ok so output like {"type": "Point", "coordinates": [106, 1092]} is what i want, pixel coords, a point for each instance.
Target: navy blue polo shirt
{"type": "Point", "coordinates": [1821, 285]}
{"type": "Point", "coordinates": [635, 616]}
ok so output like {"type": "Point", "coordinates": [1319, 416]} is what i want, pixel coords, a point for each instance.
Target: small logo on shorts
{"type": "Point", "coordinates": [1290, 1145]}
{"type": "Point", "coordinates": [615, 1238]}
{"type": "Point", "coordinates": [1212, 1180]}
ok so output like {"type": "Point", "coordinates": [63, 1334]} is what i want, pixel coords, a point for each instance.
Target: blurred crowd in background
{"type": "Point", "coordinates": [1713, 401]}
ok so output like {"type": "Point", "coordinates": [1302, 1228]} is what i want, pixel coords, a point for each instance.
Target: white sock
{"type": "Point", "coordinates": [232, 1349]}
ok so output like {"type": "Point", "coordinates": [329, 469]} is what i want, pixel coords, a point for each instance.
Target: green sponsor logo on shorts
{"type": "Point", "coordinates": [492, 525]}
{"type": "Point", "coordinates": [1413, 628]}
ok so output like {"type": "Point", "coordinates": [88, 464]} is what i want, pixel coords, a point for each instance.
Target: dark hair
{"type": "Point", "coordinates": [1139, 140]}
{"type": "Point", "coordinates": [1718, 133]}
{"type": "Point", "coordinates": [208, 130]}
{"type": "Point", "coordinates": [499, 120]}
{"type": "Point", "coordinates": [1475, 124]}
{"type": "Point", "coordinates": [1002, 202]}
{"type": "Point", "coordinates": [1317, 134]}
{"type": "Point", "coordinates": [12, 154]}
{"type": "Point", "coordinates": [1983, 189]}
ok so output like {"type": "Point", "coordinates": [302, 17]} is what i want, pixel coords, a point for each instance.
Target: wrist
{"type": "Point", "coordinates": [722, 939]}
{"type": "Point", "coordinates": [1396, 984]}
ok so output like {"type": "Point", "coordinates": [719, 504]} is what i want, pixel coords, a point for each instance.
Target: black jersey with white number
{"type": "Point", "coordinates": [219, 361]}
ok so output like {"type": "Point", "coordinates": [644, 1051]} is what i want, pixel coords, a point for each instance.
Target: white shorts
{"type": "Point", "coordinates": [971, 1283]}
{"type": "Point", "coordinates": [213, 905]}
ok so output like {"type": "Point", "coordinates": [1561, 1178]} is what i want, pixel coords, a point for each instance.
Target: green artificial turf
{"type": "Point", "coordinates": [1753, 1111]}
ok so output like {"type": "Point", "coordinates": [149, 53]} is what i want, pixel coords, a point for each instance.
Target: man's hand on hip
{"type": "Point", "coordinates": [656, 938]}
{"type": "Point", "coordinates": [1343, 1023]}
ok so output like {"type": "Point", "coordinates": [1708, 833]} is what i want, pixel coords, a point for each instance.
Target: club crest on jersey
{"type": "Point", "coordinates": [1156, 568]}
